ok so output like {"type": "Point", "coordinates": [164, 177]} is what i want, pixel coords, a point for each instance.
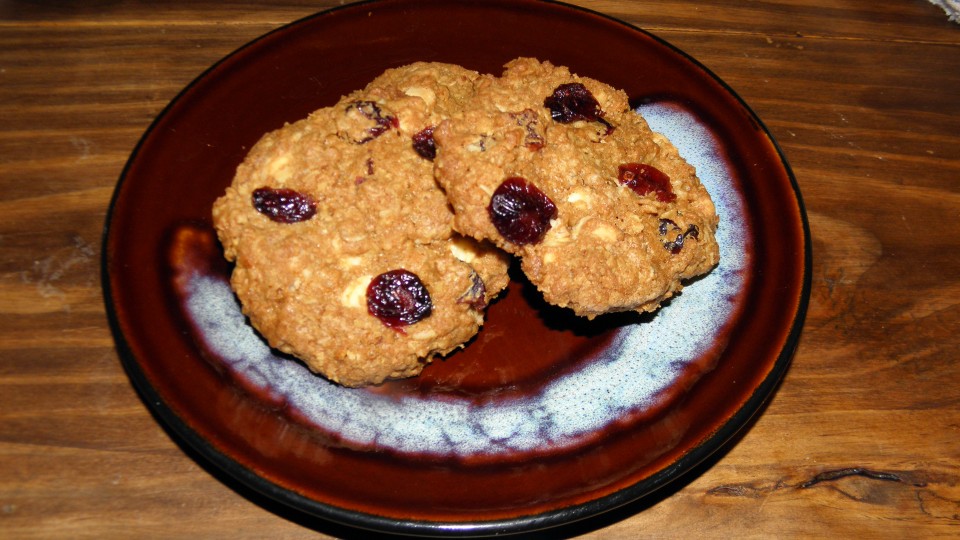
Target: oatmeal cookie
{"type": "Point", "coordinates": [558, 170]}
{"type": "Point", "coordinates": [342, 241]}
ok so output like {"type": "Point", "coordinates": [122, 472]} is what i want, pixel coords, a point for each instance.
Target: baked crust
{"type": "Point", "coordinates": [608, 248]}
{"type": "Point", "coordinates": [303, 285]}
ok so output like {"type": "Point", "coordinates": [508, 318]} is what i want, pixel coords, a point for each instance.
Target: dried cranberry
{"type": "Point", "coordinates": [520, 211]}
{"type": "Point", "coordinates": [357, 180]}
{"type": "Point", "coordinates": [527, 119]}
{"type": "Point", "coordinates": [643, 179]}
{"type": "Point", "coordinates": [424, 145]}
{"type": "Point", "coordinates": [398, 298]}
{"type": "Point", "coordinates": [571, 102]}
{"type": "Point", "coordinates": [476, 295]}
{"type": "Point", "coordinates": [371, 110]}
{"type": "Point", "coordinates": [669, 226]}
{"type": "Point", "coordinates": [283, 205]}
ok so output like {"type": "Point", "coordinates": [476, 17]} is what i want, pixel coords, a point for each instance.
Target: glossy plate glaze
{"type": "Point", "coordinates": [544, 418]}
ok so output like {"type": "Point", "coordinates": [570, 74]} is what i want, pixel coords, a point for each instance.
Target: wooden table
{"type": "Point", "coordinates": [862, 439]}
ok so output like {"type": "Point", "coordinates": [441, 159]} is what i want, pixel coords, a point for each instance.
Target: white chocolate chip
{"type": "Point", "coordinates": [579, 196]}
{"type": "Point", "coordinates": [355, 294]}
{"type": "Point", "coordinates": [463, 249]}
{"type": "Point", "coordinates": [350, 261]}
{"type": "Point", "coordinates": [605, 232]}
{"type": "Point", "coordinates": [478, 146]}
{"type": "Point", "coordinates": [558, 234]}
{"type": "Point", "coordinates": [426, 94]}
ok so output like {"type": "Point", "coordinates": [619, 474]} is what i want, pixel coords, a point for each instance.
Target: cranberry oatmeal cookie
{"type": "Point", "coordinates": [342, 241]}
{"type": "Point", "coordinates": [558, 170]}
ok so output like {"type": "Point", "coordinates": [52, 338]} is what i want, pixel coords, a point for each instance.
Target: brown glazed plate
{"type": "Point", "coordinates": [544, 419]}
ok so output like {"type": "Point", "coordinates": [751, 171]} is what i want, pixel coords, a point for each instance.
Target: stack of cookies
{"type": "Point", "coordinates": [369, 238]}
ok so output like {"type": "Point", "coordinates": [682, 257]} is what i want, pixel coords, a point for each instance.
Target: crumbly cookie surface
{"type": "Point", "coordinates": [599, 246]}
{"type": "Point", "coordinates": [374, 208]}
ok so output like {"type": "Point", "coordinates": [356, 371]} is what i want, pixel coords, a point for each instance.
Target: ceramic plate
{"type": "Point", "coordinates": [544, 419]}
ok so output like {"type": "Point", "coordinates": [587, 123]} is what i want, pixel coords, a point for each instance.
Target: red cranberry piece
{"type": "Point", "coordinates": [424, 145]}
{"type": "Point", "coordinates": [398, 298]}
{"type": "Point", "coordinates": [527, 119]}
{"type": "Point", "coordinates": [520, 211]}
{"type": "Point", "coordinates": [284, 205]}
{"type": "Point", "coordinates": [643, 179]}
{"type": "Point", "coordinates": [571, 102]}
{"type": "Point", "coordinates": [476, 295]}
{"type": "Point", "coordinates": [372, 111]}
{"type": "Point", "coordinates": [668, 226]}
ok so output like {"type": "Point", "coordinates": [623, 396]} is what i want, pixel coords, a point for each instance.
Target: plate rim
{"type": "Point", "coordinates": [708, 446]}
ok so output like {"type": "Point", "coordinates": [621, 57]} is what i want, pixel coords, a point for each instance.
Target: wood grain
{"type": "Point", "coordinates": [861, 440]}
